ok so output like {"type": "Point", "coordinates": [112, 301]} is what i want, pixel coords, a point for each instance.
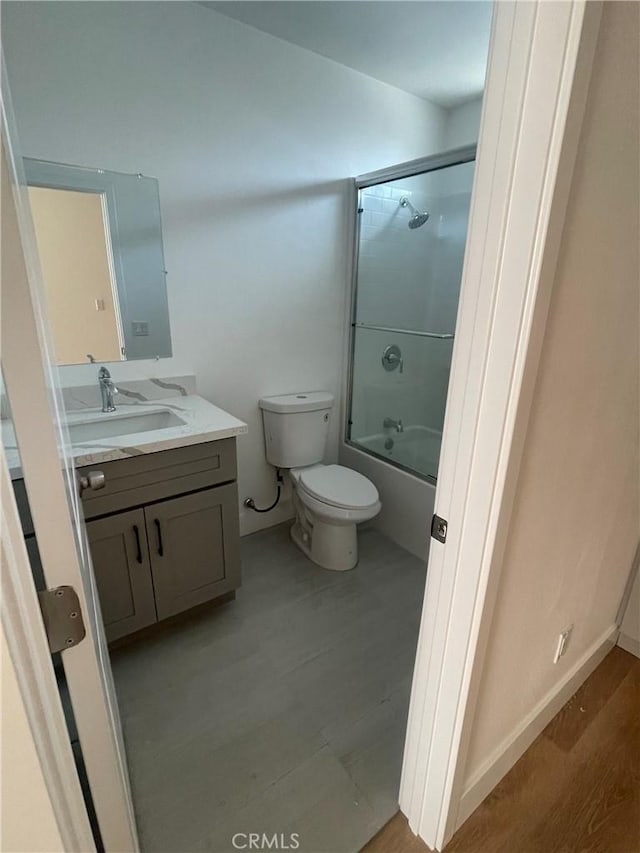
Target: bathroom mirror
{"type": "Point", "coordinates": [99, 238]}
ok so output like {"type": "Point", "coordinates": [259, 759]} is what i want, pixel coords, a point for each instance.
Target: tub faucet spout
{"type": "Point", "coordinates": [389, 423]}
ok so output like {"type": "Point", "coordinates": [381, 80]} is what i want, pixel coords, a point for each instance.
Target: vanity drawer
{"type": "Point", "coordinates": [151, 477]}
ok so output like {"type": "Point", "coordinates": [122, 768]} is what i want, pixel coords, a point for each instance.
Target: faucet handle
{"type": "Point", "coordinates": [392, 358]}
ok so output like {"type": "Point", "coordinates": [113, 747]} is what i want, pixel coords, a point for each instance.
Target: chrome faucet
{"type": "Point", "coordinates": [107, 390]}
{"type": "Point", "coordinates": [389, 423]}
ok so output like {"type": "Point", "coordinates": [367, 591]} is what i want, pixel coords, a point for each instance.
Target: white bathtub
{"type": "Point", "coordinates": [407, 499]}
{"type": "Point", "coordinates": [417, 448]}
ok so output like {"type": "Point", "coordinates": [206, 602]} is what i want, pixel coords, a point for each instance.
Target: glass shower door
{"type": "Point", "coordinates": [411, 241]}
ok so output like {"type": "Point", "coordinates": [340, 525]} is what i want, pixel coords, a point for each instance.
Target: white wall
{"type": "Point", "coordinates": [463, 124]}
{"type": "Point", "coordinates": [575, 521]}
{"type": "Point", "coordinates": [252, 140]}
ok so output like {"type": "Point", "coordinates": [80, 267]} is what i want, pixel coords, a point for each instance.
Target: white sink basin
{"type": "Point", "coordinates": [112, 425]}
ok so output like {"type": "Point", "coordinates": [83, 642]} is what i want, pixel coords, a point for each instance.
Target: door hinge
{"type": "Point", "coordinates": [439, 528]}
{"type": "Point", "coordinates": [62, 617]}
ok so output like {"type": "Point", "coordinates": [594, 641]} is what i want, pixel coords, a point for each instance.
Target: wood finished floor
{"type": "Point", "coordinates": [575, 790]}
{"type": "Point", "coordinates": [283, 711]}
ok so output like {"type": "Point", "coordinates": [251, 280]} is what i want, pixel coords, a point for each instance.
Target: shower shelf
{"type": "Point", "coordinates": [443, 336]}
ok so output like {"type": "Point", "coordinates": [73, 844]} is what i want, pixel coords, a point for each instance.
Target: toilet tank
{"type": "Point", "coordinates": [296, 427]}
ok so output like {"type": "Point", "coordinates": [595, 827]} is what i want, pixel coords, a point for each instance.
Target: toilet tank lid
{"type": "Point", "coordinates": [303, 401]}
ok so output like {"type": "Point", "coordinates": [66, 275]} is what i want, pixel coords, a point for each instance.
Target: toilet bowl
{"type": "Point", "coordinates": [329, 500]}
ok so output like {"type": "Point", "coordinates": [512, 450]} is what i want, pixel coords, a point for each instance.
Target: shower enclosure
{"type": "Point", "coordinates": [410, 241]}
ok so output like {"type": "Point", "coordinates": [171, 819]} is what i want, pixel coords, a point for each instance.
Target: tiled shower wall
{"type": "Point", "coordinates": [394, 275]}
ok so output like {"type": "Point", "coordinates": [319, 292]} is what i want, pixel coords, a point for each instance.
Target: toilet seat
{"type": "Point", "coordinates": [338, 486]}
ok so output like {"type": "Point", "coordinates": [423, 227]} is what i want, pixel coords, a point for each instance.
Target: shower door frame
{"type": "Point", "coordinates": [409, 169]}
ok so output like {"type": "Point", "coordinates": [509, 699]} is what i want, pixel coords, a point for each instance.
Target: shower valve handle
{"type": "Point", "coordinates": [392, 358]}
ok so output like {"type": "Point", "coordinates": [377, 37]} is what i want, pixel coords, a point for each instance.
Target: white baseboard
{"type": "Point", "coordinates": [251, 522]}
{"type": "Point", "coordinates": [629, 644]}
{"type": "Point", "coordinates": [520, 739]}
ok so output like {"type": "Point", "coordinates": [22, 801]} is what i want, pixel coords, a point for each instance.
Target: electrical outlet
{"type": "Point", "coordinates": [563, 642]}
{"type": "Point", "coordinates": [140, 328]}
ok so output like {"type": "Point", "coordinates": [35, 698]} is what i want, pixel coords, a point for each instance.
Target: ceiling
{"type": "Point", "coordinates": [436, 49]}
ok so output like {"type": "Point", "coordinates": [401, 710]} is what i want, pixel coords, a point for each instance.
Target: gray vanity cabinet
{"type": "Point", "coordinates": [122, 569]}
{"type": "Point", "coordinates": [164, 533]}
{"type": "Point", "coordinates": [194, 544]}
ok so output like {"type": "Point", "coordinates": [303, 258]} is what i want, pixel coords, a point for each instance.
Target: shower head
{"type": "Point", "coordinates": [418, 218]}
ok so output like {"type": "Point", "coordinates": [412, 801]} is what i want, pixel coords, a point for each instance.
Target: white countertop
{"type": "Point", "coordinates": [202, 422]}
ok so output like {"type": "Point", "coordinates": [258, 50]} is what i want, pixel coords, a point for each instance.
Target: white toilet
{"type": "Point", "coordinates": [329, 499]}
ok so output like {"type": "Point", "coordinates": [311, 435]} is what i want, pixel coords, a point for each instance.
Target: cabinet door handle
{"type": "Point", "coordinates": [159, 532]}
{"type": "Point", "coordinates": [138, 545]}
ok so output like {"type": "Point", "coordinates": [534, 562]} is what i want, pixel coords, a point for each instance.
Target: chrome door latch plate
{"type": "Point", "coordinates": [439, 528]}
{"type": "Point", "coordinates": [62, 617]}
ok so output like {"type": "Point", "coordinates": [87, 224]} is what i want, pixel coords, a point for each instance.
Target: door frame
{"type": "Point", "coordinates": [539, 70]}
{"type": "Point", "coordinates": [30, 377]}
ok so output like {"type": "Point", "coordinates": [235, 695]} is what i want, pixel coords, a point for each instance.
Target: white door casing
{"type": "Point", "coordinates": [539, 69]}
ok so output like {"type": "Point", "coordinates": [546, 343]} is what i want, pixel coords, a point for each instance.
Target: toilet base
{"type": "Point", "coordinates": [331, 546]}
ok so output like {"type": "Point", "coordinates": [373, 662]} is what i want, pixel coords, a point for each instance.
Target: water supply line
{"type": "Point", "coordinates": [251, 504]}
